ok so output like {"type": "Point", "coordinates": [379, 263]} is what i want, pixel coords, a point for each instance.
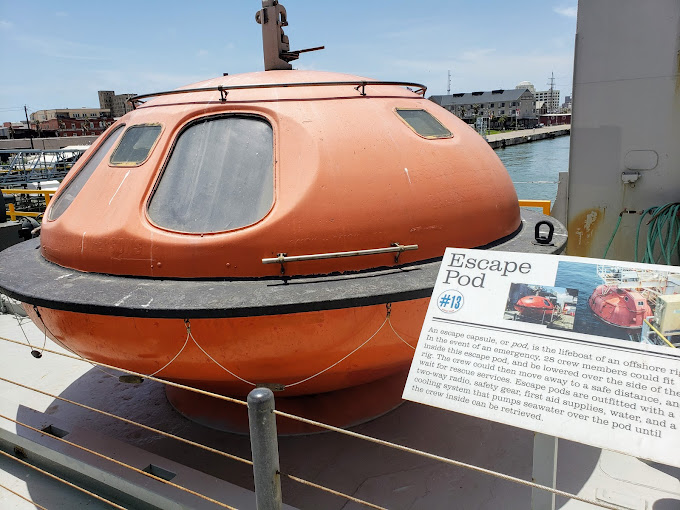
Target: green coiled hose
{"type": "Point", "coordinates": [664, 231]}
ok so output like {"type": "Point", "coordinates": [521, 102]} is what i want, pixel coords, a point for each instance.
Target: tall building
{"type": "Point", "coordinates": [106, 99]}
{"type": "Point", "coordinates": [551, 99]}
{"type": "Point", "coordinates": [117, 103]}
{"type": "Point", "coordinates": [566, 106]}
{"type": "Point", "coordinates": [547, 98]}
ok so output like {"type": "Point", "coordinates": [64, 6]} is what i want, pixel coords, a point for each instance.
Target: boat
{"type": "Point", "coordinates": [620, 307]}
{"type": "Point", "coordinates": [309, 228]}
{"type": "Point", "coordinates": [535, 307]}
{"type": "Point", "coordinates": [364, 470]}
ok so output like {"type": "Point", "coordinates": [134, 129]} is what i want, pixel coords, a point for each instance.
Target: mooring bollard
{"type": "Point", "coordinates": [265, 448]}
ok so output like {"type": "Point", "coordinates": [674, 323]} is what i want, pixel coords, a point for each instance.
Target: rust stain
{"type": "Point", "coordinates": [582, 230]}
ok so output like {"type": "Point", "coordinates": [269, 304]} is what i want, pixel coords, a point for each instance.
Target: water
{"type": "Point", "coordinates": [534, 167]}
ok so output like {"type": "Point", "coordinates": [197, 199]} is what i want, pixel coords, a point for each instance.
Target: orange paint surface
{"type": "Point", "coordinates": [349, 174]}
{"type": "Point", "coordinates": [281, 349]}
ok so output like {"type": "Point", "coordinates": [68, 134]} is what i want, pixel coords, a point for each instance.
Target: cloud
{"type": "Point", "coordinates": [61, 14]}
{"type": "Point", "coordinates": [5, 25]}
{"type": "Point", "coordinates": [202, 53]}
{"type": "Point", "coordinates": [477, 54]}
{"type": "Point", "coordinates": [569, 12]}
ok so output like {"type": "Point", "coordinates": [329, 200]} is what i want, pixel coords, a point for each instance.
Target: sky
{"type": "Point", "coordinates": [59, 54]}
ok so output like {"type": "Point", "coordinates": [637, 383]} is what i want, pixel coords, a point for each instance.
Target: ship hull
{"type": "Point", "coordinates": [329, 350]}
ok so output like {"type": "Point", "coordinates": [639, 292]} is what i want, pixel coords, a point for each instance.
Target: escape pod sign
{"type": "Point", "coordinates": [577, 348]}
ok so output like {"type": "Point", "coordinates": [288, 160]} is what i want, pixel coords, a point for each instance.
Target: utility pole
{"type": "Point", "coordinates": [552, 87]}
{"type": "Point", "coordinates": [28, 124]}
{"type": "Point", "coordinates": [448, 89]}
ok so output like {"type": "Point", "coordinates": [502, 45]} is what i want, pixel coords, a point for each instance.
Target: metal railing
{"type": "Point", "coordinates": [358, 85]}
{"type": "Point", "coordinates": [23, 166]}
{"type": "Point", "coordinates": [264, 443]}
{"type": "Point", "coordinates": [544, 205]}
{"type": "Point", "coordinates": [662, 340]}
{"type": "Point", "coordinates": [29, 206]}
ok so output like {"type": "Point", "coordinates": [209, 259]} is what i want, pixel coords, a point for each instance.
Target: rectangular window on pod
{"type": "Point", "coordinates": [136, 145]}
{"type": "Point", "coordinates": [423, 123]}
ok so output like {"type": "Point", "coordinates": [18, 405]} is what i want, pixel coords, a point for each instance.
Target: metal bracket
{"type": "Point", "coordinates": [361, 86]}
{"type": "Point", "coordinates": [281, 257]}
{"type": "Point", "coordinates": [396, 257]}
{"type": "Point", "coordinates": [629, 177]}
{"type": "Point", "coordinates": [223, 94]}
{"type": "Point", "coordinates": [541, 239]}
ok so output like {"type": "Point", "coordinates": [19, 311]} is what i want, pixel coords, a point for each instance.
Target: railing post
{"type": "Point", "coordinates": [265, 449]}
{"type": "Point", "coordinates": [544, 471]}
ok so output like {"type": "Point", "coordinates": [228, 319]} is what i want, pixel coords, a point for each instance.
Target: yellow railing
{"type": "Point", "coordinates": [543, 204]}
{"type": "Point", "coordinates": [11, 210]}
{"type": "Point", "coordinates": [659, 333]}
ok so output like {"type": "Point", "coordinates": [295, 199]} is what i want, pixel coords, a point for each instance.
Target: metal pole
{"type": "Point", "coordinates": [544, 471]}
{"type": "Point", "coordinates": [28, 125]}
{"type": "Point", "coordinates": [265, 449]}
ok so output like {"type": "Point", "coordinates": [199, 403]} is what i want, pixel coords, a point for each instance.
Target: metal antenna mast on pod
{"type": "Point", "coordinates": [277, 54]}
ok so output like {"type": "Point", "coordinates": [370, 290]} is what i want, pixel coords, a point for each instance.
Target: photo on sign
{"type": "Point", "coordinates": [553, 307]}
{"type": "Point", "coordinates": [624, 303]}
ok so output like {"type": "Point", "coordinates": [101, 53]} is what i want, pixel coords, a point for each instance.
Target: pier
{"type": "Point", "coordinates": [501, 140]}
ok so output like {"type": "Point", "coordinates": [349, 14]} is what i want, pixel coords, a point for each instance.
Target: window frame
{"type": "Point", "coordinates": [148, 154]}
{"type": "Point", "coordinates": [433, 137]}
{"type": "Point", "coordinates": [175, 138]}
{"type": "Point", "coordinates": [57, 196]}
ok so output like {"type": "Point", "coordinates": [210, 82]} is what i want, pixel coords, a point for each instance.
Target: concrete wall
{"type": "Point", "coordinates": [526, 136]}
{"type": "Point", "coordinates": [626, 118]}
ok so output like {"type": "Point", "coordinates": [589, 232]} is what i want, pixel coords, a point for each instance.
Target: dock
{"type": "Point", "coordinates": [502, 140]}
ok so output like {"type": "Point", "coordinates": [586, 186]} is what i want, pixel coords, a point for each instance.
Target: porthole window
{"type": "Point", "coordinates": [423, 123]}
{"type": "Point", "coordinates": [69, 193]}
{"type": "Point", "coordinates": [135, 145]}
{"type": "Point", "coordinates": [220, 176]}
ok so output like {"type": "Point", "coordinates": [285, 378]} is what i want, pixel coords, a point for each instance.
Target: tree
{"type": "Point", "coordinates": [503, 120]}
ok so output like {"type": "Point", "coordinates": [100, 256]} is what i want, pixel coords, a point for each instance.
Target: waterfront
{"type": "Point", "coordinates": [534, 167]}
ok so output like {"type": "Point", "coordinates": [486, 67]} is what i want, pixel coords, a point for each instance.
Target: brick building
{"type": "Point", "coordinates": [70, 122]}
{"type": "Point", "coordinates": [502, 106]}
